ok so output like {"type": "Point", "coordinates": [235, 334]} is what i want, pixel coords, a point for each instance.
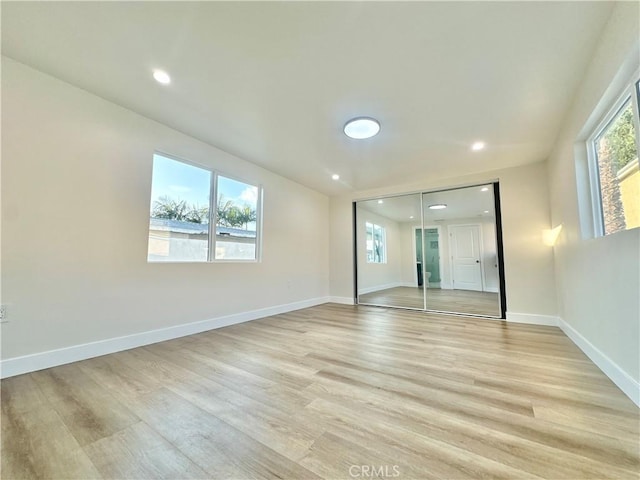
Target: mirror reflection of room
{"type": "Point", "coordinates": [446, 261]}
{"type": "Point", "coordinates": [460, 251]}
{"type": "Point", "coordinates": [385, 257]}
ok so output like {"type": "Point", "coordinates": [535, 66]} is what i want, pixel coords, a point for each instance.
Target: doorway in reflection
{"type": "Point", "coordinates": [431, 257]}
{"type": "Point", "coordinates": [440, 251]}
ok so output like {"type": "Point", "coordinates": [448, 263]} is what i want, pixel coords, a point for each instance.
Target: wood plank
{"type": "Point", "coordinates": [311, 393]}
{"type": "Point", "coordinates": [414, 455]}
{"type": "Point", "coordinates": [218, 448]}
{"type": "Point", "coordinates": [139, 452]}
{"type": "Point", "coordinates": [88, 409]}
{"type": "Point", "coordinates": [36, 443]}
{"type": "Point", "coordinates": [385, 414]}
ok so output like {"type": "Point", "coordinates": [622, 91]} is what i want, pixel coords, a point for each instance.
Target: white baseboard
{"type": "Point", "coordinates": [533, 319]}
{"type": "Point", "coordinates": [617, 375]}
{"type": "Point", "coordinates": [492, 289]}
{"type": "Point", "coordinates": [342, 300]}
{"type": "Point", "coordinates": [38, 361]}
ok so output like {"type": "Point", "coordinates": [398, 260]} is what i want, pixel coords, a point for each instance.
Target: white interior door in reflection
{"type": "Point", "coordinates": [465, 257]}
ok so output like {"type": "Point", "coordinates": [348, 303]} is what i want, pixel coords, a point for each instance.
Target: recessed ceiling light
{"type": "Point", "coordinates": [484, 189]}
{"type": "Point", "coordinates": [380, 201]}
{"type": "Point", "coordinates": [411, 216]}
{"type": "Point", "coordinates": [486, 211]}
{"type": "Point", "coordinates": [437, 206]}
{"type": "Point", "coordinates": [162, 77]}
{"type": "Point", "coordinates": [361, 128]}
{"type": "Point", "coordinates": [335, 176]}
{"type": "Point", "coordinates": [477, 146]}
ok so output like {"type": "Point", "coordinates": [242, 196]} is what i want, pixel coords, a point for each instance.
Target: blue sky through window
{"type": "Point", "coordinates": [179, 181]}
{"type": "Point", "coordinates": [241, 193]}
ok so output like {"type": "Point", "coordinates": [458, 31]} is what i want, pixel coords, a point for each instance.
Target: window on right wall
{"type": "Point", "coordinates": [613, 165]}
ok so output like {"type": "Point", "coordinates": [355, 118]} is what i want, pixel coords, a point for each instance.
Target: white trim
{"type": "Point", "coordinates": [533, 319]}
{"type": "Point", "coordinates": [342, 300]}
{"type": "Point", "coordinates": [492, 289]}
{"type": "Point", "coordinates": [38, 361]}
{"type": "Point", "coordinates": [629, 386]}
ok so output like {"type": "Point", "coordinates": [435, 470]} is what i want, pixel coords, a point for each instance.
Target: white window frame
{"type": "Point", "coordinates": [213, 199]}
{"type": "Point", "coordinates": [630, 92]}
{"type": "Point", "coordinates": [383, 230]}
{"type": "Point", "coordinates": [213, 219]}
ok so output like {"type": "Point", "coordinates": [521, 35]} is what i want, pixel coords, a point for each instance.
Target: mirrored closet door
{"type": "Point", "coordinates": [461, 270]}
{"type": "Point", "coordinates": [388, 271]}
{"type": "Point", "coordinates": [436, 251]}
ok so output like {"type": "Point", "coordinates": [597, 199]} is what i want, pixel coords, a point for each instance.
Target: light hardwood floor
{"type": "Point", "coordinates": [455, 301]}
{"type": "Point", "coordinates": [327, 392]}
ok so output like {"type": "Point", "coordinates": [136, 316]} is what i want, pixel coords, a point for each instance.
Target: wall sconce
{"type": "Point", "coordinates": [549, 237]}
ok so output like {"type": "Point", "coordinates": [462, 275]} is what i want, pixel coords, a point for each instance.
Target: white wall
{"type": "Point", "coordinates": [529, 272]}
{"type": "Point", "coordinates": [76, 186]}
{"type": "Point", "coordinates": [408, 267]}
{"type": "Point", "coordinates": [598, 278]}
{"type": "Point", "coordinates": [378, 276]}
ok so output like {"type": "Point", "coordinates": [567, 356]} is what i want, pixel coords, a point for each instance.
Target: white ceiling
{"type": "Point", "coordinates": [462, 203]}
{"type": "Point", "coordinates": [274, 82]}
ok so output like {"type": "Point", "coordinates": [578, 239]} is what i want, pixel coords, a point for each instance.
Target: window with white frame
{"type": "Point", "coordinates": [376, 243]}
{"type": "Point", "coordinates": [236, 219]}
{"type": "Point", "coordinates": [198, 215]}
{"type": "Point", "coordinates": [613, 165]}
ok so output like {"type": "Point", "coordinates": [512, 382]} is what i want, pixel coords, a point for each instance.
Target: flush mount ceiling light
{"type": "Point", "coordinates": [335, 176]}
{"type": "Point", "coordinates": [161, 77]}
{"type": "Point", "coordinates": [484, 189]}
{"type": "Point", "coordinates": [361, 127]}
{"type": "Point", "coordinates": [437, 206]}
{"type": "Point", "coordinates": [477, 146]}
{"type": "Point", "coordinates": [380, 202]}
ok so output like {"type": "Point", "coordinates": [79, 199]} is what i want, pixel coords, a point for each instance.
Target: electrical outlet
{"type": "Point", "coordinates": [3, 314]}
